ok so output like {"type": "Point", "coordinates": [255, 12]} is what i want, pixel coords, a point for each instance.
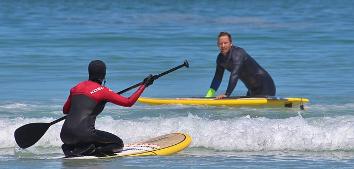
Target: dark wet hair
{"type": "Point", "coordinates": [97, 71]}
{"type": "Point", "coordinates": [225, 34]}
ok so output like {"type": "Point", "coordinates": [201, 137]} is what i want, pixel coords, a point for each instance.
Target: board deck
{"type": "Point", "coordinates": [230, 101]}
{"type": "Point", "coordinates": [162, 145]}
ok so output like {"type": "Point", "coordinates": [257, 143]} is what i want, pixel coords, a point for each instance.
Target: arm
{"type": "Point", "coordinates": [237, 59]}
{"type": "Point", "coordinates": [66, 107]}
{"type": "Point", "coordinates": [232, 82]}
{"type": "Point", "coordinates": [215, 84]}
{"type": "Point", "coordinates": [123, 101]}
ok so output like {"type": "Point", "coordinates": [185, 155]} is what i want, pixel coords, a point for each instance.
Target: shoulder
{"type": "Point", "coordinates": [78, 86]}
{"type": "Point", "coordinates": [239, 51]}
{"type": "Point", "coordinates": [85, 86]}
{"type": "Point", "coordinates": [219, 57]}
{"type": "Point", "coordinates": [88, 84]}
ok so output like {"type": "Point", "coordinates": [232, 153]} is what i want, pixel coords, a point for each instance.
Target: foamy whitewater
{"type": "Point", "coordinates": [241, 134]}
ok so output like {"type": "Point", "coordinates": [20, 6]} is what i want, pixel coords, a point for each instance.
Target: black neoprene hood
{"type": "Point", "coordinates": [97, 70]}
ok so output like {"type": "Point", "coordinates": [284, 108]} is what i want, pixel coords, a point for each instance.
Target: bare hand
{"type": "Point", "coordinates": [221, 96]}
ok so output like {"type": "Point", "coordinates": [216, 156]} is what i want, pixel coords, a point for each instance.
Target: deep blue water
{"type": "Point", "coordinates": [307, 47]}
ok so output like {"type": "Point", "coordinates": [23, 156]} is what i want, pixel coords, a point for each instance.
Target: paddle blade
{"type": "Point", "coordinates": [29, 134]}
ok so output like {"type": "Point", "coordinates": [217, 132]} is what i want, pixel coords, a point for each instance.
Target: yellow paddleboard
{"type": "Point", "coordinates": [159, 146]}
{"type": "Point", "coordinates": [230, 101]}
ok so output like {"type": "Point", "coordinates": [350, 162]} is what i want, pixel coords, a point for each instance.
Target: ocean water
{"type": "Point", "coordinates": [307, 47]}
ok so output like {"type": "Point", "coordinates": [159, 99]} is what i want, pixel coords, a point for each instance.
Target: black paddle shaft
{"type": "Point", "coordinates": [185, 64]}
{"type": "Point", "coordinates": [29, 134]}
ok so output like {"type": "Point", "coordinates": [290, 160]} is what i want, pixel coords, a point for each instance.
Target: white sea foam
{"type": "Point", "coordinates": [12, 108]}
{"type": "Point", "coordinates": [236, 134]}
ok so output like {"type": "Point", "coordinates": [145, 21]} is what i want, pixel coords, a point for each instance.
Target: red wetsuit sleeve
{"type": "Point", "coordinates": [66, 107]}
{"type": "Point", "coordinates": [123, 101]}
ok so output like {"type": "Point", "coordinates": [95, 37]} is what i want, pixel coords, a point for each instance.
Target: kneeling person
{"type": "Point", "coordinates": [85, 102]}
{"type": "Point", "coordinates": [241, 66]}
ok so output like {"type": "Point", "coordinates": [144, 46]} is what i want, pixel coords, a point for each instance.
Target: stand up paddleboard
{"type": "Point", "coordinates": [159, 146]}
{"type": "Point", "coordinates": [230, 101]}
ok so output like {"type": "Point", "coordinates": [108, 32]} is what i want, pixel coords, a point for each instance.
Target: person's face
{"type": "Point", "coordinates": [224, 44]}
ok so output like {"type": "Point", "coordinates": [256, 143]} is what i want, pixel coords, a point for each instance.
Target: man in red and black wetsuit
{"type": "Point", "coordinates": [87, 100]}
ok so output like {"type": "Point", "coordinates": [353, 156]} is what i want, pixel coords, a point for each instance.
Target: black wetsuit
{"type": "Point", "coordinates": [85, 102]}
{"type": "Point", "coordinates": [242, 66]}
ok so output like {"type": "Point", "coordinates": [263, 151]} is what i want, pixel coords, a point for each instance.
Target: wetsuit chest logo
{"type": "Point", "coordinates": [96, 90]}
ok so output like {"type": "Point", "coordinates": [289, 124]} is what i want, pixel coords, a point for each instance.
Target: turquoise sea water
{"type": "Point", "coordinates": [307, 47]}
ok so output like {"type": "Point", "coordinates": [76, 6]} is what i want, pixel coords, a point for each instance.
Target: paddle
{"type": "Point", "coordinates": [27, 135]}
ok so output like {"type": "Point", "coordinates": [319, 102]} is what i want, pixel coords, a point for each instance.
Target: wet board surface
{"type": "Point", "coordinates": [158, 146]}
{"type": "Point", "coordinates": [230, 101]}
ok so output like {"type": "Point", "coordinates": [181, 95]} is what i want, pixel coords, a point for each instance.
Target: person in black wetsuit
{"type": "Point", "coordinates": [241, 66]}
{"type": "Point", "coordinates": [87, 100]}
